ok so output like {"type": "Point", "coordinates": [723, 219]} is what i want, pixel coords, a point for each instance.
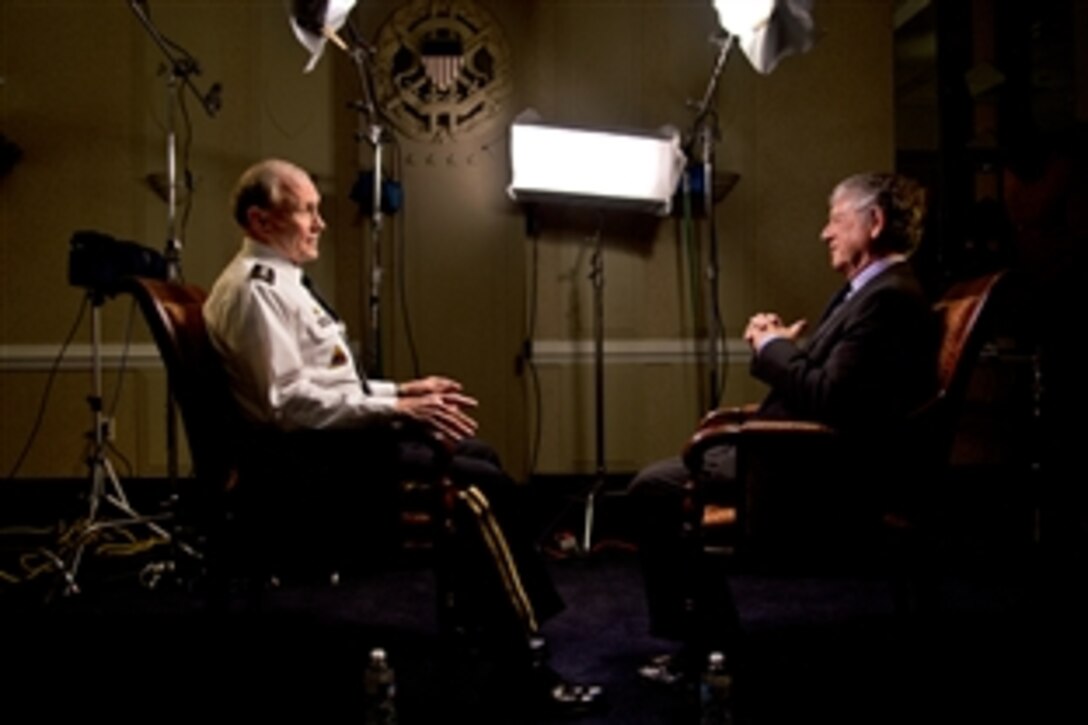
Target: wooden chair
{"type": "Point", "coordinates": [198, 384]}
{"type": "Point", "coordinates": [236, 466]}
{"type": "Point", "coordinates": [789, 498]}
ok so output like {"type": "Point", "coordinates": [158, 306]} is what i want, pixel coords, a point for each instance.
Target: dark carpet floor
{"type": "Point", "coordinates": [816, 648]}
{"type": "Point", "coordinates": [1005, 643]}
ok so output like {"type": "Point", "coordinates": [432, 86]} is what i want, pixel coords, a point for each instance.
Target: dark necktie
{"type": "Point", "coordinates": [833, 306]}
{"type": "Point", "coordinates": [309, 285]}
{"type": "Point", "coordinates": [836, 301]}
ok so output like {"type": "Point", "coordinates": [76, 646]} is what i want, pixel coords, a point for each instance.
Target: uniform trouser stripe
{"type": "Point", "coordinates": [500, 553]}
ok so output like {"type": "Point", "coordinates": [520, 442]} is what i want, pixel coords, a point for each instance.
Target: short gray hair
{"type": "Point", "coordinates": [262, 186]}
{"type": "Point", "coordinates": [902, 200]}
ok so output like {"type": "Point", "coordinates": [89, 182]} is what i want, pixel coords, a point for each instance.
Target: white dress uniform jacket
{"type": "Point", "coordinates": [287, 358]}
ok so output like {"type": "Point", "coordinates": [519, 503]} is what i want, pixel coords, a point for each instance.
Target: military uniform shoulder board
{"type": "Point", "coordinates": [261, 273]}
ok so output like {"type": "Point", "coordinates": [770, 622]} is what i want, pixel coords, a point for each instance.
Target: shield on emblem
{"type": "Point", "coordinates": [442, 54]}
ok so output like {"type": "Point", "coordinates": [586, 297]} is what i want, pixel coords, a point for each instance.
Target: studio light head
{"type": "Point", "coordinates": [768, 30]}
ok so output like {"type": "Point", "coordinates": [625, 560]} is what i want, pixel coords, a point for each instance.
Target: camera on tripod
{"type": "Point", "coordinates": [100, 262]}
{"type": "Point", "coordinates": [102, 265]}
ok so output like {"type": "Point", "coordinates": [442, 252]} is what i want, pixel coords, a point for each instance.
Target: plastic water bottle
{"type": "Point", "coordinates": [380, 690]}
{"type": "Point", "coordinates": [716, 692]}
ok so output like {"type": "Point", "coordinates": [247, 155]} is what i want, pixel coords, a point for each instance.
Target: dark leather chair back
{"type": "Point", "coordinates": [198, 381]}
{"type": "Point", "coordinates": [961, 312]}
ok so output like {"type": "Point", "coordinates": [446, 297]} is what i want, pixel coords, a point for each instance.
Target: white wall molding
{"type": "Point", "coordinates": [77, 357]}
{"type": "Point", "coordinates": [672, 351]}
{"type": "Point", "coordinates": [144, 356]}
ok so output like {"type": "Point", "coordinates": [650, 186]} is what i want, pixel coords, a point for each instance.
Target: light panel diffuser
{"type": "Point", "coordinates": [551, 163]}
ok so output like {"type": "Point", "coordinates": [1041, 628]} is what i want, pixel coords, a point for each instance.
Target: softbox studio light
{"type": "Point", "coordinates": [553, 163]}
{"type": "Point", "coordinates": [768, 30]}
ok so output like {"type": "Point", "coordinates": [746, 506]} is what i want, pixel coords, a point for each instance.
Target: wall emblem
{"type": "Point", "coordinates": [442, 69]}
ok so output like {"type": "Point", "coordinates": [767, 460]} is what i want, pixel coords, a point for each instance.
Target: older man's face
{"type": "Point", "coordinates": [295, 226]}
{"type": "Point", "coordinates": [849, 235]}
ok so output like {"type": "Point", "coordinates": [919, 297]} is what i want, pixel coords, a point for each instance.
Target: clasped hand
{"type": "Point", "coordinates": [438, 403]}
{"type": "Point", "coordinates": [765, 325]}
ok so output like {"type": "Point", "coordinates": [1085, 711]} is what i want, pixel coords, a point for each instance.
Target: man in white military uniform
{"type": "Point", "coordinates": [290, 368]}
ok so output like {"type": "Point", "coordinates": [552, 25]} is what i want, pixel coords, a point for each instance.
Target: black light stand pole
{"type": "Point", "coordinates": [374, 299]}
{"type": "Point", "coordinates": [173, 271]}
{"type": "Point", "coordinates": [706, 132]}
{"type": "Point", "coordinates": [596, 276]}
{"type": "Point", "coordinates": [371, 130]}
{"type": "Point", "coordinates": [101, 468]}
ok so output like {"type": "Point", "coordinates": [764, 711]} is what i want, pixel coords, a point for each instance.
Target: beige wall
{"type": "Point", "coordinates": [88, 107]}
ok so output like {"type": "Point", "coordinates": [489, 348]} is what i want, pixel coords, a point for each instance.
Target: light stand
{"type": "Point", "coordinates": [706, 134]}
{"type": "Point", "coordinates": [180, 67]}
{"type": "Point", "coordinates": [371, 130]}
{"type": "Point", "coordinates": [767, 31]}
{"type": "Point", "coordinates": [105, 486]}
{"type": "Point", "coordinates": [602, 170]}
{"type": "Point", "coordinates": [314, 23]}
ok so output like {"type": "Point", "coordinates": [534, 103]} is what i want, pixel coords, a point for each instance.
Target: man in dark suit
{"type": "Point", "coordinates": [868, 363]}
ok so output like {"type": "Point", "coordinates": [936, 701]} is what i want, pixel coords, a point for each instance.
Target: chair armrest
{"type": "Point", "coordinates": [763, 431]}
{"type": "Point", "coordinates": [778, 427]}
{"type": "Point", "coordinates": [734, 414]}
